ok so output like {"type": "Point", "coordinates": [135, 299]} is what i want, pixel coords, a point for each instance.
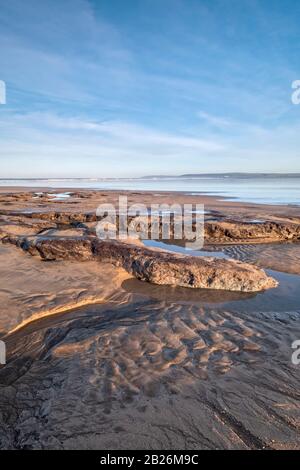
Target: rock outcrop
{"type": "Point", "coordinates": [155, 266]}
{"type": "Point", "coordinates": [215, 232]}
{"type": "Point", "coordinates": [239, 232]}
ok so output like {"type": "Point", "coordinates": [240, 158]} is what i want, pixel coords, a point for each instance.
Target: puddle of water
{"type": "Point", "coordinates": [256, 221]}
{"type": "Point", "coordinates": [54, 196]}
{"type": "Point", "coordinates": [284, 298]}
{"type": "Point", "coordinates": [166, 212]}
{"type": "Point", "coordinates": [59, 196]}
{"type": "Point", "coordinates": [201, 193]}
{"type": "Point", "coordinates": [182, 249]}
{"type": "Point", "coordinates": [37, 195]}
{"type": "Point", "coordinates": [28, 211]}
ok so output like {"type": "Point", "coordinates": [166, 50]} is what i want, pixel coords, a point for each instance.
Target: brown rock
{"type": "Point", "coordinates": [215, 232]}
{"type": "Point", "coordinates": [239, 232]}
{"type": "Point", "coordinates": [156, 266]}
{"type": "Point", "coordinates": [161, 267]}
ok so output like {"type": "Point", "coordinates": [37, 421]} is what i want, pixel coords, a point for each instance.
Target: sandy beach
{"type": "Point", "coordinates": [98, 359]}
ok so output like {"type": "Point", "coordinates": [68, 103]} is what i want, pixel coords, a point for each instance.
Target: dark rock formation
{"type": "Point", "coordinates": [238, 232]}
{"type": "Point", "coordinates": [59, 217]}
{"type": "Point", "coordinates": [156, 266]}
{"type": "Point", "coordinates": [161, 267]}
{"type": "Point", "coordinates": [215, 232]}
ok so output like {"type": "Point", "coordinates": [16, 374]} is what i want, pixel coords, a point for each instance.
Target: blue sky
{"type": "Point", "coordinates": [133, 87]}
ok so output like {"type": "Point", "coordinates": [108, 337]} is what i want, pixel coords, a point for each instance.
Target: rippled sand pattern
{"type": "Point", "coordinates": [153, 375]}
{"type": "Point", "coordinates": [280, 257]}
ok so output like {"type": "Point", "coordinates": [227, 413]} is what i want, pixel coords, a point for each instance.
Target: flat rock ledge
{"type": "Point", "coordinates": [216, 232]}
{"type": "Point", "coordinates": [152, 265]}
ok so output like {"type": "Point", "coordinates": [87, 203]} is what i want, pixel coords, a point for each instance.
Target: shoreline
{"type": "Point", "coordinates": [238, 190]}
{"type": "Point", "coordinates": [200, 197]}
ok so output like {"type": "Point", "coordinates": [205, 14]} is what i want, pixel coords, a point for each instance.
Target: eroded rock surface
{"type": "Point", "coordinates": [238, 232]}
{"type": "Point", "coordinates": [215, 231]}
{"type": "Point", "coordinates": [156, 266]}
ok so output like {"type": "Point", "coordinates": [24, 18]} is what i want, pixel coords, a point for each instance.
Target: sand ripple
{"type": "Point", "coordinates": [283, 257]}
{"type": "Point", "coordinates": [152, 374]}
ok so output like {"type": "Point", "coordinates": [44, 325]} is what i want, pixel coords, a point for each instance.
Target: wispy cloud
{"type": "Point", "coordinates": [216, 121]}
{"type": "Point", "coordinates": [53, 136]}
{"type": "Point", "coordinates": [83, 147]}
{"type": "Point", "coordinates": [94, 88]}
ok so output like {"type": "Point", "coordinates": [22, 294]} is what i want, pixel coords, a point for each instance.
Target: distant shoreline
{"type": "Point", "coordinates": [273, 189]}
{"type": "Point", "coordinates": [154, 177]}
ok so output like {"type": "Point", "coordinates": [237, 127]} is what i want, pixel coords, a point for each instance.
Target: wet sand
{"type": "Point", "coordinates": [143, 366]}
{"type": "Point", "coordinates": [18, 198]}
